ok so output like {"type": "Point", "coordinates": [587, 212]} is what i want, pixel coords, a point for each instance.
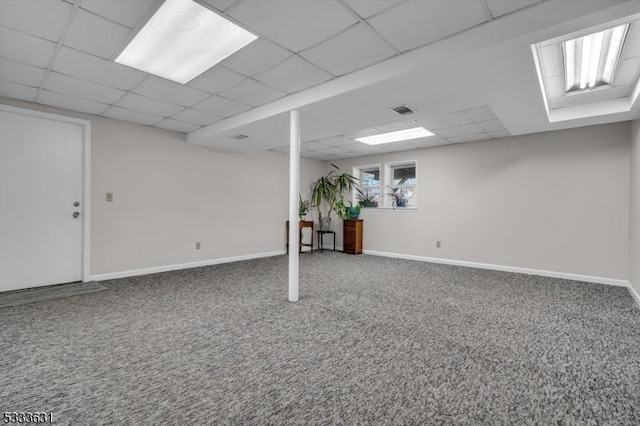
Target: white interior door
{"type": "Point", "coordinates": [41, 177]}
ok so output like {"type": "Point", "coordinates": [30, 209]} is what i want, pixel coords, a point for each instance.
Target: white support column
{"type": "Point", "coordinates": [294, 190]}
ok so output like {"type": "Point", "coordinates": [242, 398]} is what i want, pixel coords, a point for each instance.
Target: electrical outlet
{"type": "Point", "coordinates": [197, 246]}
{"type": "Point", "coordinates": [438, 244]}
{"type": "Point", "coordinates": [109, 197]}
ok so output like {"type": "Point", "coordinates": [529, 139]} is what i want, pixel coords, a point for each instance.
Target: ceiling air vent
{"type": "Point", "coordinates": [403, 110]}
{"type": "Point", "coordinates": [238, 137]}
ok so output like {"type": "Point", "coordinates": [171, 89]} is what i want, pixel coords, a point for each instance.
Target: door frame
{"type": "Point", "coordinates": [85, 125]}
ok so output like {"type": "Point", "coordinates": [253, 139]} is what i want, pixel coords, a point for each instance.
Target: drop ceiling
{"type": "Point", "coordinates": [466, 67]}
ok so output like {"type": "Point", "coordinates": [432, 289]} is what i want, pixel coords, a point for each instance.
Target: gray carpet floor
{"type": "Point", "coordinates": [371, 341]}
{"type": "Point", "coordinates": [32, 295]}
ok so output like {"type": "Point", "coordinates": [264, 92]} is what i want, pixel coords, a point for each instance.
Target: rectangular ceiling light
{"type": "Point", "coordinates": [397, 136]}
{"type": "Point", "coordinates": [590, 61]}
{"type": "Point", "coordinates": [182, 40]}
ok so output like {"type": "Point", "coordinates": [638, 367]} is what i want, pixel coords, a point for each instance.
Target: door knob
{"type": "Point", "coordinates": [76, 214]}
{"type": "Point", "coordinates": [76, 203]}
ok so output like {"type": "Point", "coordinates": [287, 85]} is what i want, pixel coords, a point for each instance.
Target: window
{"type": "Point", "coordinates": [389, 185]}
{"type": "Point", "coordinates": [370, 186]}
{"type": "Point", "coordinates": [402, 185]}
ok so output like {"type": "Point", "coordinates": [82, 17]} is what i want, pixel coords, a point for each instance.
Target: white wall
{"type": "Point", "coordinates": [634, 211]}
{"type": "Point", "coordinates": [555, 201]}
{"type": "Point", "coordinates": [168, 195]}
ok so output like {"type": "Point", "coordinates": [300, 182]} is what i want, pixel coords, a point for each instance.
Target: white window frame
{"type": "Point", "coordinates": [388, 181]}
{"type": "Point", "coordinates": [357, 172]}
{"type": "Point", "coordinates": [385, 202]}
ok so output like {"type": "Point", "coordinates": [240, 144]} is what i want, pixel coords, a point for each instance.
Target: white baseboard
{"type": "Point", "coordinates": [552, 274]}
{"type": "Point", "coordinates": [178, 266]}
{"type": "Point", "coordinates": [635, 294]}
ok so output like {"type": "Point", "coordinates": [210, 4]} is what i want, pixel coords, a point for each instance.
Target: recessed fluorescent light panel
{"type": "Point", "coordinates": [182, 40]}
{"type": "Point", "coordinates": [397, 136]}
{"type": "Point", "coordinates": [590, 61]}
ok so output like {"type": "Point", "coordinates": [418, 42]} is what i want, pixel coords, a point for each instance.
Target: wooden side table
{"type": "Point", "coordinates": [352, 233]}
{"type": "Point", "coordinates": [301, 225]}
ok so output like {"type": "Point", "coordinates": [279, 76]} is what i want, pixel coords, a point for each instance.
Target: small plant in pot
{"type": "Point", "coordinates": [398, 195]}
{"type": "Point", "coordinates": [328, 193]}
{"type": "Point", "coordinates": [303, 207]}
{"type": "Point", "coordinates": [354, 212]}
{"type": "Point", "coordinates": [348, 212]}
{"type": "Point", "coordinates": [367, 198]}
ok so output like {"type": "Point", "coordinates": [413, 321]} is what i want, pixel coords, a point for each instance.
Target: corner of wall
{"type": "Point", "coordinates": [634, 212]}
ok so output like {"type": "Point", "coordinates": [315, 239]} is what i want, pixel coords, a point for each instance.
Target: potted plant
{"type": "Point", "coordinates": [354, 212]}
{"type": "Point", "coordinates": [303, 207]}
{"type": "Point", "coordinates": [398, 195]}
{"type": "Point", "coordinates": [347, 212]}
{"type": "Point", "coordinates": [367, 198]}
{"type": "Point", "coordinates": [331, 189]}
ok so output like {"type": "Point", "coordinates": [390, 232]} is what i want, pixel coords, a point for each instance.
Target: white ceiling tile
{"type": "Point", "coordinates": [69, 102]}
{"type": "Point", "coordinates": [125, 12]}
{"type": "Point", "coordinates": [362, 148]}
{"type": "Point", "coordinates": [41, 18]}
{"type": "Point", "coordinates": [500, 134]}
{"type": "Point", "coordinates": [468, 138]}
{"type": "Point", "coordinates": [26, 49]}
{"type": "Point", "coordinates": [293, 75]}
{"type": "Point", "coordinates": [446, 120]}
{"type": "Point", "coordinates": [169, 91]}
{"type": "Point", "coordinates": [60, 83]}
{"type": "Point", "coordinates": [362, 133]}
{"type": "Point", "coordinates": [96, 35]}
{"type": "Point", "coordinates": [330, 151]}
{"type": "Point", "coordinates": [88, 67]}
{"type": "Point", "coordinates": [177, 126]}
{"type": "Point", "coordinates": [403, 125]}
{"type": "Point", "coordinates": [314, 145]}
{"type": "Point", "coordinates": [416, 23]}
{"type": "Point", "coordinates": [491, 126]}
{"type": "Point", "coordinates": [221, 107]}
{"type": "Point", "coordinates": [353, 49]}
{"type": "Point", "coordinates": [256, 57]}
{"type": "Point", "coordinates": [337, 141]}
{"type": "Point", "coordinates": [366, 8]}
{"type": "Point", "coordinates": [483, 113]}
{"type": "Point", "coordinates": [398, 146]}
{"type": "Point", "coordinates": [429, 142]}
{"type": "Point", "coordinates": [502, 7]}
{"type": "Point", "coordinates": [251, 92]}
{"type": "Point", "coordinates": [148, 105]}
{"type": "Point", "coordinates": [314, 155]}
{"type": "Point", "coordinates": [196, 117]}
{"type": "Point", "coordinates": [131, 116]}
{"type": "Point", "coordinates": [464, 130]}
{"type": "Point", "coordinates": [17, 91]}
{"type": "Point", "coordinates": [350, 154]}
{"type": "Point", "coordinates": [304, 148]}
{"type": "Point", "coordinates": [20, 73]}
{"type": "Point", "coordinates": [216, 80]}
{"type": "Point", "coordinates": [295, 25]}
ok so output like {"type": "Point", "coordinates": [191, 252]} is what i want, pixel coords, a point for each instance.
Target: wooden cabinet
{"type": "Point", "coordinates": [352, 234]}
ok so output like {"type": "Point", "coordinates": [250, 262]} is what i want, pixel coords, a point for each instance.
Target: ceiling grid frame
{"type": "Point", "coordinates": [359, 20]}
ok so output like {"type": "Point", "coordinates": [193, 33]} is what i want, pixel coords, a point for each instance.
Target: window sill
{"type": "Point", "coordinates": [391, 209]}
